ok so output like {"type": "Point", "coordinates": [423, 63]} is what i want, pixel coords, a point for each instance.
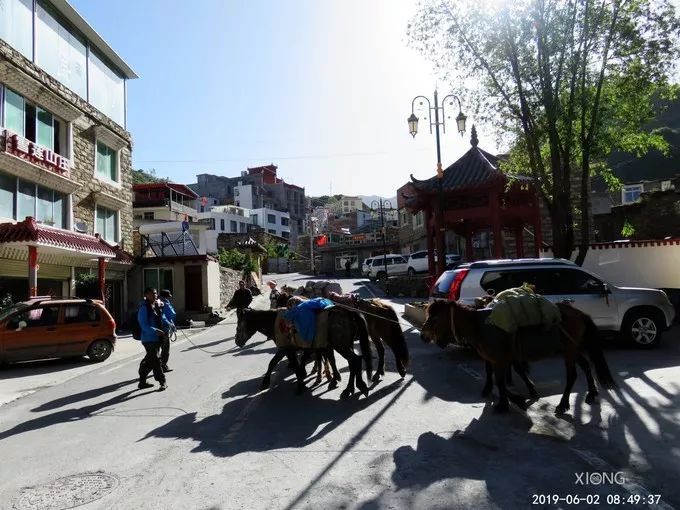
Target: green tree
{"type": "Point", "coordinates": [566, 81]}
{"type": "Point", "coordinates": [140, 176]}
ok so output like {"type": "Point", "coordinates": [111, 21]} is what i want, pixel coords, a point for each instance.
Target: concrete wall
{"type": "Point", "coordinates": [211, 285]}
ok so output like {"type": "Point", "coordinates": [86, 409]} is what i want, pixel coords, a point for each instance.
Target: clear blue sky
{"type": "Point", "coordinates": [320, 88]}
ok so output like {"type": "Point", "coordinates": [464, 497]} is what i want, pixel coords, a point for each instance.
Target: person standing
{"type": "Point", "coordinates": [241, 298]}
{"type": "Point", "coordinates": [170, 315]}
{"type": "Point", "coordinates": [273, 294]}
{"type": "Point", "coordinates": [151, 323]}
{"type": "Point", "coordinates": [348, 268]}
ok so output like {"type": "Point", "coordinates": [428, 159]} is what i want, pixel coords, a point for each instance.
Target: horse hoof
{"type": "Point", "coordinates": [402, 372]}
{"type": "Point", "coordinates": [561, 409]}
{"type": "Point", "coordinates": [363, 389]}
{"type": "Point", "coordinates": [332, 385]}
{"type": "Point", "coordinates": [376, 378]}
{"type": "Point", "coordinates": [591, 398]}
{"type": "Point", "coordinates": [346, 393]}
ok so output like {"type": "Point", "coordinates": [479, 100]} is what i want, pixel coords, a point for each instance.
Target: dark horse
{"type": "Point", "coordinates": [343, 327]}
{"type": "Point", "coordinates": [575, 335]}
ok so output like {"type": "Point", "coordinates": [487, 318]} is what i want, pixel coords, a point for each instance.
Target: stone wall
{"type": "Point", "coordinates": [406, 286]}
{"type": "Point", "coordinates": [229, 279]}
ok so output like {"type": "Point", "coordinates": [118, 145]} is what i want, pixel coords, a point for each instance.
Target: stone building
{"type": "Point", "coordinates": [65, 154]}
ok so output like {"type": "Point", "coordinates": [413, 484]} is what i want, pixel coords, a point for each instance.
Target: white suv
{"type": "Point", "coordinates": [639, 315]}
{"type": "Point", "coordinates": [383, 266]}
{"type": "Point", "coordinates": [418, 263]}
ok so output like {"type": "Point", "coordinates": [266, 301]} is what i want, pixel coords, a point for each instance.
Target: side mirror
{"type": "Point", "coordinates": [21, 325]}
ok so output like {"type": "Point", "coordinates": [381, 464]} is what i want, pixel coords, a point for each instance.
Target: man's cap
{"type": "Point", "coordinates": [165, 293]}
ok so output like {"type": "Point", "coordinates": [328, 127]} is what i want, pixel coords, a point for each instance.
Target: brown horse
{"type": "Point", "coordinates": [575, 335]}
{"type": "Point", "coordinates": [344, 327]}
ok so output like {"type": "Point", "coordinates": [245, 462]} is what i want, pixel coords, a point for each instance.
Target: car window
{"type": "Point", "coordinates": [443, 284]}
{"type": "Point", "coordinates": [497, 281]}
{"type": "Point", "coordinates": [566, 281]}
{"type": "Point", "coordinates": [36, 317]}
{"type": "Point", "coordinates": [82, 312]}
{"type": "Point", "coordinates": [399, 260]}
{"type": "Point", "coordinates": [419, 255]}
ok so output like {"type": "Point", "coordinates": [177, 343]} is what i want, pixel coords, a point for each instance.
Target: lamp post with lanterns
{"type": "Point", "coordinates": [413, 129]}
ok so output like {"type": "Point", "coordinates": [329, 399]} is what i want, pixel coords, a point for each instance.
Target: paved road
{"type": "Point", "coordinates": [214, 441]}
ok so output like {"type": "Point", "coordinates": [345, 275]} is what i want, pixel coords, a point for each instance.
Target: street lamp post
{"type": "Point", "coordinates": [413, 129]}
{"type": "Point", "coordinates": [382, 205]}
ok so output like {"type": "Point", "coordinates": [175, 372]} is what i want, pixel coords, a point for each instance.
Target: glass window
{"type": "Point", "coordinates": [74, 314]}
{"type": "Point", "coordinates": [631, 193]}
{"type": "Point", "coordinates": [106, 224]}
{"type": "Point", "coordinates": [222, 225]}
{"type": "Point", "coordinates": [60, 52]}
{"type": "Point", "coordinates": [107, 164]}
{"type": "Point", "coordinates": [44, 206]}
{"type": "Point", "coordinates": [8, 188]}
{"type": "Point", "coordinates": [271, 219]}
{"type": "Point", "coordinates": [26, 200]}
{"type": "Point", "coordinates": [233, 225]}
{"type": "Point", "coordinates": [45, 129]}
{"type": "Point", "coordinates": [243, 228]}
{"type": "Point", "coordinates": [159, 279]}
{"type": "Point", "coordinates": [107, 89]}
{"type": "Point", "coordinates": [16, 25]}
{"type": "Point", "coordinates": [14, 112]}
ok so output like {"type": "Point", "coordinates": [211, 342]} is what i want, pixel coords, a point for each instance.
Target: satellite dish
{"type": "Point", "coordinates": [80, 226]}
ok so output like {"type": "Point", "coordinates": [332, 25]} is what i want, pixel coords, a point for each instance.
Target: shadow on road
{"type": "Point", "coordinates": [48, 366]}
{"type": "Point", "coordinates": [84, 395]}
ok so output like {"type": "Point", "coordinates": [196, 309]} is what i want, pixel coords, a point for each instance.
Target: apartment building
{"type": "Point", "coordinates": [272, 221]}
{"type": "Point", "coordinates": [65, 154]}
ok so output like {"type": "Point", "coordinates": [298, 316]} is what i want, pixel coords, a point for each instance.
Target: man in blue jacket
{"type": "Point", "coordinates": [170, 315]}
{"type": "Point", "coordinates": [153, 325]}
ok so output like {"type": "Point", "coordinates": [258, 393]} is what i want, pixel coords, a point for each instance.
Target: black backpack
{"type": "Point", "coordinates": [135, 327]}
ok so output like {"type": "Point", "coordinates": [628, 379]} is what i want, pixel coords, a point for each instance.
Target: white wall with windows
{"type": "Point", "coordinates": [243, 196]}
{"type": "Point", "coordinates": [273, 221]}
{"type": "Point", "coordinates": [56, 46]}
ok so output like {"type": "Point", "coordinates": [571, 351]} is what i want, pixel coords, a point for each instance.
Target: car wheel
{"type": "Point", "coordinates": [99, 350]}
{"type": "Point", "coordinates": [411, 271]}
{"type": "Point", "coordinates": [643, 328]}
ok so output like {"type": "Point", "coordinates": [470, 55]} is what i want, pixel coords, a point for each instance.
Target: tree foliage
{"type": "Point", "coordinates": [565, 81]}
{"type": "Point", "coordinates": [140, 176]}
{"type": "Point", "coordinates": [237, 260]}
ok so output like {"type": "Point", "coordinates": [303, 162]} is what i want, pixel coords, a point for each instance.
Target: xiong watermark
{"type": "Point", "coordinates": [599, 478]}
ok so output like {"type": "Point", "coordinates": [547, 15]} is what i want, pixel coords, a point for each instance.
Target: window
{"type": "Point", "coordinates": [233, 225]}
{"type": "Point", "coordinates": [19, 199]}
{"type": "Point", "coordinates": [666, 185]}
{"type": "Point", "coordinates": [285, 221]}
{"type": "Point", "coordinates": [345, 202]}
{"type": "Point", "coordinates": [243, 228]}
{"type": "Point", "coordinates": [106, 89]}
{"type": "Point", "coordinates": [74, 314]}
{"type": "Point", "coordinates": [236, 192]}
{"type": "Point", "coordinates": [271, 219]}
{"type": "Point", "coordinates": [631, 192]}
{"type": "Point", "coordinates": [418, 219]}
{"type": "Point", "coordinates": [16, 25]}
{"type": "Point", "coordinates": [60, 52]}
{"type": "Point", "coordinates": [107, 163]}
{"type": "Point", "coordinates": [254, 218]}
{"type": "Point", "coordinates": [285, 235]}
{"type": "Point", "coordinates": [35, 124]}
{"type": "Point", "coordinates": [222, 224]}
{"type": "Point", "coordinates": [158, 278]}
{"type": "Point", "coordinates": [148, 215]}
{"type": "Point", "coordinates": [272, 231]}
{"type": "Point", "coordinates": [106, 224]}
{"type": "Point", "coordinates": [37, 317]}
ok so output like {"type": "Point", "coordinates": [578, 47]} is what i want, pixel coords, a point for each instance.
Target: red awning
{"type": "Point", "coordinates": [29, 233]}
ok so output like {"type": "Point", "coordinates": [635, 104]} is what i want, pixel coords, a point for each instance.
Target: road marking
{"type": "Point", "coordinates": [633, 488]}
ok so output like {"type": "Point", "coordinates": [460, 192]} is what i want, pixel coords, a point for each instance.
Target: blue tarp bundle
{"type": "Point", "coordinates": [303, 316]}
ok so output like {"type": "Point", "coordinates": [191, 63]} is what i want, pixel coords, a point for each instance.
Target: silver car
{"type": "Point", "coordinates": [640, 315]}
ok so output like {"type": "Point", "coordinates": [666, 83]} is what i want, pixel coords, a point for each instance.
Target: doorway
{"type": "Point", "coordinates": [193, 288]}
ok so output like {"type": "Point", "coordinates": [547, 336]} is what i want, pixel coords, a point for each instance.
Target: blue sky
{"type": "Point", "coordinates": [320, 88]}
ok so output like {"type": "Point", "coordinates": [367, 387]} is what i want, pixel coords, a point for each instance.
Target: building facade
{"type": "Point", "coordinates": [273, 222]}
{"type": "Point", "coordinates": [65, 155]}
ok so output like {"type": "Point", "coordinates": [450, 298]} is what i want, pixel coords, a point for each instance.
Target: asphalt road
{"type": "Point", "coordinates": [213, 440]}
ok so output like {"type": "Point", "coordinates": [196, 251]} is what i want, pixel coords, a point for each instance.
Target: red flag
{"type": "Point", "coordinates": [321, 241]}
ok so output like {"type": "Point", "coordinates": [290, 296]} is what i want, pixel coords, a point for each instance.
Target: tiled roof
{"type": "Point", "coordinates": [475, 169]}
{"type": "Point", "coordinates": [29, 232]}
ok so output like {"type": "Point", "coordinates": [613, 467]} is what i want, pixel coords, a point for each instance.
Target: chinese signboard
{"type": "Point", "coordinates": [27, 150]}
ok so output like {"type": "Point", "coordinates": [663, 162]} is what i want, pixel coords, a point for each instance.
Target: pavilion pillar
{"type": "Point", "coordinates": [430, 242]}
{"type": "Point", "coordinates": [519, 241]}
{"type": "Point", "coordinates": [102, 279]}
{"type": "Point", "coordinates": [494, 206]}
{"type": "Point", "coordinates": [32, 271]}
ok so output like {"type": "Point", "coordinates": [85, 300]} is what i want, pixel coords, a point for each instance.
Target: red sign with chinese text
{"type": "Point", "coordinates": [27, 150]}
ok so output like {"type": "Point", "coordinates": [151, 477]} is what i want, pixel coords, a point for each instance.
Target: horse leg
{"type": "Point", "coordinates": [380, 347]}
{"type": "Point", "coordinates": [317, 367]}
{"type": "Point", "coordinates": [326, 368]}
{"type": "Point", "coordinates": [292, 357]}
{"type": "Point", "coordinates": [570, 366]}
{"type": "Point", "coordinates": [488, 385]}
{"type": "Point", "coordinates": [349, 355]}
{"type": "Point", "coordinates": [274, 361]}
{"type": "Point", "coordinates": [521, 370]}
{"type": "Point", "coordinates": [591, 396]}
{"type": "Point", "coordinates": [304, 359]}
{"type": "Point", "coordinates": [500, 370]}
{"type": "Point", "coordinates": [330, 356]}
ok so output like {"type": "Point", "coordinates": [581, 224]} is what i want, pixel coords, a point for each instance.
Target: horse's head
{"type": "Point", "coordinates": [437, 325]}
{"type": "Point", "coordinates": [245, 327]}
{"type": "Point", "coordinates": [282, 299]}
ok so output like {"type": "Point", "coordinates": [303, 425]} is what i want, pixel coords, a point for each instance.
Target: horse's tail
{"type": "Point", "coordinates": [398, 340]}
{"type": "Point", "coordinates": [364, 343]}
{"type": "Point", "coordinates": [594, 347]}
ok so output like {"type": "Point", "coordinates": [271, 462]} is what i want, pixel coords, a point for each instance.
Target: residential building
{"type": "Point", "coordinates": [272, 221]}
{"type": "Point", "coordinates": [222, 219]}
{"type": "Point", "coordinates": [347, 204]}
{"type": "Point", "coordinates": [164, 201]}
{"type": "Point", "coordinates": [65, 154]}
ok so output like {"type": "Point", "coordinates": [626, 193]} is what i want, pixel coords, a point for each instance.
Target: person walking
{"type": "Point", "coordinates": [241, 298]}
{"type": "Point", "coordinates": [152, 324]}
{"type": "Point", "coordinates": [273, 294]}
{"type": "Point", "coordinates": [170, 315]}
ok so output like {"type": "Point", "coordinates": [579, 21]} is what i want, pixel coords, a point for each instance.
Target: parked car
{"type": "Point", "coordinates": [56, 328]}
{"type": "Point", "coordinates": [366, 266]}
{"type": "Point", "coordinates": [418, 262]}
{"type": "Point", "coordinates": [391, 264]}
{"type": "Point", "coordinates": [637, 314]}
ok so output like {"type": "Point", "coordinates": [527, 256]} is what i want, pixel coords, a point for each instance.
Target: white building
{"type": "Point", "coordinates": [347, 204]}
{"type": "Point", "coordinates": [243, 195]}
{"type": "Point", "coordinates": [222, 219]}
{"type": "Point", "coordinates": [272, 221]}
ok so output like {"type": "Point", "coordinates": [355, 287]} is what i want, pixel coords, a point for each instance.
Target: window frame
{"type": "Point", "coordinates": [118, 230]}
{"type": "Point", "coordinates": [116, 154]}
{"type": "Point", "coordinates": [631, 188]}
{"type": "Point", "coordinates": [161, 285]}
